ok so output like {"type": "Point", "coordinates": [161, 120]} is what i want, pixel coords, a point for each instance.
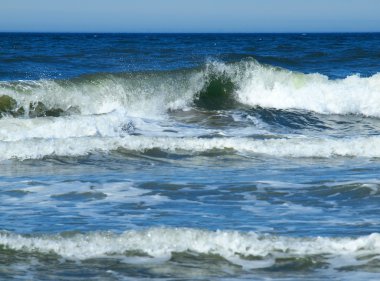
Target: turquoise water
{"type": "Point", "coordinates": [189, 157]}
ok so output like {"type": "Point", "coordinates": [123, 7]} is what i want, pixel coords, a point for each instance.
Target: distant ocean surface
{"type": "Point", "coordinates": [189, 156]}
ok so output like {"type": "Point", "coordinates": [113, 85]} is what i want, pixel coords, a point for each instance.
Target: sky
{"type": "Point", "coordinates": [190, 15]}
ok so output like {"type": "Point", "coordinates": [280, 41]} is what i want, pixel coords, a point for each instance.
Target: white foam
{"type": "Point", "coordinates": [291, 147]}
{"type": "Point", "coordinates": [234, 246]}
{"type": "Point", "coordinates": [282, 89]}
{"type": "Point", "coordinates": [14, 129]}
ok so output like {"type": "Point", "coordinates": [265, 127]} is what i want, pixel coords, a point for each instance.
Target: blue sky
{"type": "Point", "coordinates": [190, 15]}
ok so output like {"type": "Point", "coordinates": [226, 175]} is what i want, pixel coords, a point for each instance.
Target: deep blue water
{"type": "Point", "coordinates": [189, 156]}
{"type": "Point", "coordinates": [39, 56]}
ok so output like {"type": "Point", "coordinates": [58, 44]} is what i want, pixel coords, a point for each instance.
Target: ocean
{"type": "Point", "coordinates": [189, 156]}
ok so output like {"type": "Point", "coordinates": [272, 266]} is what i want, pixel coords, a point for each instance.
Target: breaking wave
{"type": "Point", "coordinates": [215, 86]}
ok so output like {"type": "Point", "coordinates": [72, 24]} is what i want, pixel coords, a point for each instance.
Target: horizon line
{"type": "Point", "coordinates": [195, 32]}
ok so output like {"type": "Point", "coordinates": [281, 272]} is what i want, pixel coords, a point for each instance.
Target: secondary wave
{"type": "Point", "coordinates": [37, 148]}
{"type": "Point", "coordinates": [249, 250]}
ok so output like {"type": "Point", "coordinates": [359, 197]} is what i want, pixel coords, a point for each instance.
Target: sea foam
{"type": "Point", "coordinates": [283, 89]}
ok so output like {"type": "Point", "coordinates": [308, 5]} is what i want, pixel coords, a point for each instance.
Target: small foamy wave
{"type": "Point", "coordinates": [250, 250]}
{"type": "Point", "coordinates": [37, 148]}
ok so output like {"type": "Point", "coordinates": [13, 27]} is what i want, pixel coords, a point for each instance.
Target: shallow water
{"type": "Point", "coordinates": [182, 157]}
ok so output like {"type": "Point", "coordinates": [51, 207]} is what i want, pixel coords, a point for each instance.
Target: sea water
{"type": "Point", "coordinates": [189, 156]}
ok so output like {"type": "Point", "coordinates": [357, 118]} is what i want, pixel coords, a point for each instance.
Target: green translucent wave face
{"type": "Point", "coordinates": [9, 107]}
{"type": "Point", "coordinates": [7, 104]}
{"type": "Point", "coordinates": [217, 93]}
